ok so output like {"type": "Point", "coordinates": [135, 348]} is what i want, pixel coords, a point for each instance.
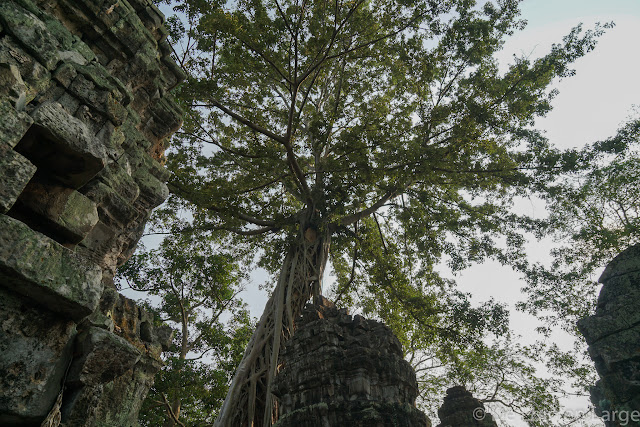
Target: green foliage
{"type": "Point", "coordinates": [193, 285]}
{"type": "Point", "coordinates": [595, 211]}
{"type": "Point", "coordinates": [336, 111]}
{"type": "Point", "coordinates": [385, 124]}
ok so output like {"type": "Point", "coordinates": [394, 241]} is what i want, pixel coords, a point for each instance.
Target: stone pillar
{"type": "Point", "coordinates": [613, 336]}
{"type": "Point", "coordinates": [461, 409]}
{"type": "Point", "coordinates": [340, 370]}
{"type": "Point", "coordinates": [83, 124]}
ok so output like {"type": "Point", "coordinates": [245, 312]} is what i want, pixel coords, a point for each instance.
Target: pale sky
{"type": "Point", "coordinates": [592, 104]}
{"type": "Point", "coordinates": [590, 107]}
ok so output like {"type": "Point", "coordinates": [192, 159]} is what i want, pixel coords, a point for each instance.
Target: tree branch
{"type": "Point", "coordinates": [350, 219]}
{"type": "Point", "coordinates": [247, 122]}
{"type": "Point", "coordinates": [170, 411]}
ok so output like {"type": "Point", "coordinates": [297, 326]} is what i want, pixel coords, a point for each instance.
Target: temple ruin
{"type": "Point", "coordinates": [84, 121]}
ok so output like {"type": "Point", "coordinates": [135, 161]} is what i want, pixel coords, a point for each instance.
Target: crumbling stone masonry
{"type": "Point", "coordinates": [83, 123]}
{"type": "Point", "coordinates": [613, 336]}
{"type": "Point", "coordinates": [461, 409]}
{"type": "Point", "coordinates": [343, 370]}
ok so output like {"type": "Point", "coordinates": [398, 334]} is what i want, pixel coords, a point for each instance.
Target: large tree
{"type": "Point", "coordinates": [320, 130]}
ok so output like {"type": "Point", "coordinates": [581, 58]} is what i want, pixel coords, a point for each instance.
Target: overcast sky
{"type": "Point", "coordinates": [590, 107]}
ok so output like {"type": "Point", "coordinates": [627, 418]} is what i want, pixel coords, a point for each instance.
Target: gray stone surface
{"type": "Point", "coordinates": [105, 356]}
{"type": "Point", "coordinates": [461, 409]}
{"type": "Point", "coordinates": [627, 262]}
{"type": "Point", "coordinates": [32, 79]}
{"type": "Point", "coordinates": [13, 91]}
{"type": "Point", "coordinates": [67, 213]}
{"type": "Point", "coordinates": [68, 73]}
{"type": "Point", "coordinates": [15, 173]}
{"type": "Point", "coordinates": [31, 32]}
{"type": "Point", "coordinates": [613, 335]}
{"type": "Point", "coordinates": [14, 123]}
{"type": "Point", "coordinates": [37, 267]}
{"type": "Point", "coordinates": [344, 370]}
{"type": "Point", "coordinates": [35, 349]}
{"type": "Point", "coordinates": [115, 403]}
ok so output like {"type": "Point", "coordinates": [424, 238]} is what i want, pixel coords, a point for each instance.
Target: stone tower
{"type": "Point", "coordinates": [613, 336]}
{"type": "Point", "coordinates": [461, 409]}
{"type": "Point", "coordinates": [83, 121]}
{"type": "Point", "coordinates": [343, 370]}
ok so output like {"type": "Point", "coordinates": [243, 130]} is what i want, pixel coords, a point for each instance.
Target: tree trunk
{"type": "Point", "coordinates": [249, 400]}
{"type": "Point", "coordinates": [184, 350]}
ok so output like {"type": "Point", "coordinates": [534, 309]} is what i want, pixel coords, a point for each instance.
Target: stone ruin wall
{"type": "Point", "coordinates": [346, 370]}
{"type": "Point", "coordinates": [84, 117]}
{"type": "Point", "coordinates": [613, 336]}
{"type": "Point", "coordinates": [343, 370]}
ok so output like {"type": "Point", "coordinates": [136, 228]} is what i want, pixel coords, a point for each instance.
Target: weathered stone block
{"type": "Point", "coordinates": [339, 370]}
{"type": "Point", "coordinates": [114, 210]}
{"type": "Point", "coordinates": [35, 77]}
{"type": "Point", "coordinates": [31, 32]}
{"type": "Point", "coordinates": [626, 262]}
{"type": "Point", "coordinates": [618, 287]}
{"type": "Point", "coordinates": [112, 138]}
{"type": "Point", "coordinates": [140, 159]}
{"type": "Point", "coordinates": [66, 212]}
{"type": "Point", "coordinates": [115, 403]}
{"type": "Point", "coordinates": [117, 178]}
{"type": "Point", "coordinates": [461, 409]}
{"type": "Point", "coordinates": [104, 356]}
{"type": "Point", "coordinates": [613, 335]}
{"type": "Point", "coordinates": [617, 309]}
{"type": "Point", "coordinates": [63, 146]}
{"type": "Point", "coordinates": [103, 80]}
{"type": "Point", "coordinates": [13, 89]}
{"type": "Point", "coordinates": [152, 191]}
{"type": "Point", "coordinates": [618, 347]}
{"type": "Point", "coordinates": [73, 56]}
{"type": "Point", "coordinates": [107, 102]}
{"type": "Point", "coordinates": [15, 173]}
{"type": "Point", "coordinates": [35, 350]}
{"type": "Point", "coordinates": [166, 118]}
{"type": "Point", "coordinates": [99, 239]}
{"type": "Point", "coordinates": [44, 271]}
{"type": "Point", "coordinates": [65, 74]}
{"type": "Point", "coordinates": [131, 33]}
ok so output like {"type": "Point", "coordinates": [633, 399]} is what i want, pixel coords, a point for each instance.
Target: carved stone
{"type": "Point", "coordinates": [346, 370]}
{"type": "Point", "coordinates": [461, 409]}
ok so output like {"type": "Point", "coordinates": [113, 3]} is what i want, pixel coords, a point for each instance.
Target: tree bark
{"type": "Point", "coordinates": [249, 400]}
{"type": "Point", "coordinates": [184, 350]}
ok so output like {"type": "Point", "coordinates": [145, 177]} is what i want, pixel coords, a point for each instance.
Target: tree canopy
{"type": "Point", "coordinates": [197, 284]}
{"type": "Point", "coordinates": [595, 213]}
{"type": "Point", "coordinates": [380, 135]}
